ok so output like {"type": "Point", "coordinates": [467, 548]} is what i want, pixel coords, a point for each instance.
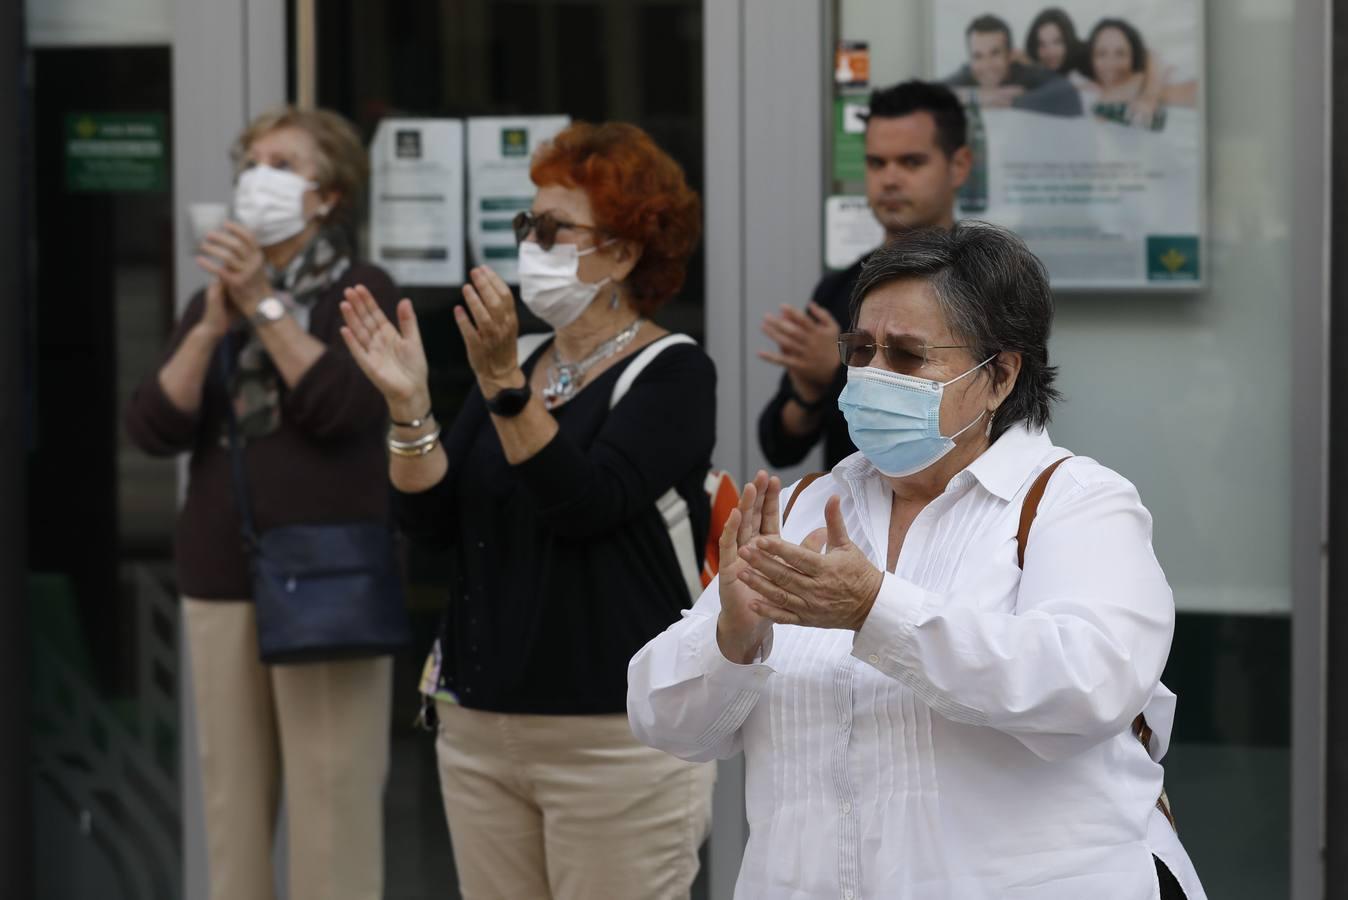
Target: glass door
{"type": "Point", "coordinates": [103, 610]}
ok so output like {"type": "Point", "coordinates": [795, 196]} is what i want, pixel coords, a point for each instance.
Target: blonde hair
{"type": "Point", "coordinates": [343, 165]}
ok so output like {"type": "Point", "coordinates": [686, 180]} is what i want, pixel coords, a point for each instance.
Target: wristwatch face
{"type": "Point", "coordinates": [271, 309]}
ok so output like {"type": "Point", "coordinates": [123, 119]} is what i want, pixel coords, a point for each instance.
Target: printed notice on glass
{"type": "Point", "coordinates": [1086, 128]}
{"type": "Point", "coordinates": [850, 230]}
{"type": "Point", "coordinates": [499, 152]}
{"type": "Point", "coordinates": [416, 201]}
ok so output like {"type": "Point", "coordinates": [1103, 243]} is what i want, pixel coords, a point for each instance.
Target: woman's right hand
{"type": "Point", "coordinates": [392, 358]}
{"type": "Point", "coordinates": [218, 314]}
{"type": "Point", "coordinates": [740, 631]}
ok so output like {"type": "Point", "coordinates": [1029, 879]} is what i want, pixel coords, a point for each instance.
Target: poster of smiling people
{"type": "Point", "coordinates": [1086, 123]}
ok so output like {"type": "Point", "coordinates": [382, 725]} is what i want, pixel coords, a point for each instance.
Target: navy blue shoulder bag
{"type": "Point", "coordinates": [323, 592]}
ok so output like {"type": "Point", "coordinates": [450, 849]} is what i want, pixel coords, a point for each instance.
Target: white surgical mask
{"type": "Point", "coordinates": [270, 203]}
{"type": "Point", "coordinates": [550, 283]}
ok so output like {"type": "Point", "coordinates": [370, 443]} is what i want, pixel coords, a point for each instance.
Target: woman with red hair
{"type": "Point", "coordinates": [545, 490]}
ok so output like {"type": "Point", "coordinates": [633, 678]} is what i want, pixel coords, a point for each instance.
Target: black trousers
{"type": "Point", "coordinates": [1170, 888]}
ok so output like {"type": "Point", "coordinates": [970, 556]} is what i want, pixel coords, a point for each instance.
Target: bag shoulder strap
{"type": "Point", "coordinates": [246, 524]}
{"type": "Point", "coordinates": [526, 344]}
{"type": "Point", "coordinates": [800, 487]}
{"type": "Point", "coordinates": [1030, 508]}
{"type": "Point", "coordinates": [644, 359]}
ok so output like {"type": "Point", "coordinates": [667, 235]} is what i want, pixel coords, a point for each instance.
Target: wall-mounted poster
{"type": "Point", "coordinates": [1086, 126]}
{"type": "Point", "coordinates": [499, 152]}
{"type": "Point", "coordinates": [416, 200]}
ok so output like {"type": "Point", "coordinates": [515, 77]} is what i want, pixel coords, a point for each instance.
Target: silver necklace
{"type": "Point", "coordinates": [565, 378]}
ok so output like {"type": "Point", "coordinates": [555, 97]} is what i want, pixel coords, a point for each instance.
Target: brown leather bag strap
{"type": "Point", "coordinates": [800, 486]}
{"type": "Point", "coordinates": [1030, 508]}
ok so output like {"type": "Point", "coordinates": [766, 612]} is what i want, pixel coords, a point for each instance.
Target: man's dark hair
{"type": "Point", "coordinates": [915, 96]}
{"type": "Point", "coordinates": [990, 24]}
{"type": "Point", "coordinates": [994, 295]}
{"type": "Point", "coordinates": [1139, 46]}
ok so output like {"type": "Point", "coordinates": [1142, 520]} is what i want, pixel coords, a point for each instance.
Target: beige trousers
{"type": "Point", "coordinates": [568, 808]}
{"type": "Point", "coordinates": [324, 725]}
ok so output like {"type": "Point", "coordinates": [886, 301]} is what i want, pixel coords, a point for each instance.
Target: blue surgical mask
{"type": "Point", "coordinates": [895, 420]}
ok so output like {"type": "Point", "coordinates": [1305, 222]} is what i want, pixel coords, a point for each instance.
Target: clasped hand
{"type": "Point", "coordinates": [823, 582]}
{"type": "Point", "coordinates": [233, 256]}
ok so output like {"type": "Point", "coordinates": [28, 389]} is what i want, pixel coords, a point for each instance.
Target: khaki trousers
{"type": "Point", "coordinates": [324, 725]}
{"type": "Point", "coordinates": [568, 808]}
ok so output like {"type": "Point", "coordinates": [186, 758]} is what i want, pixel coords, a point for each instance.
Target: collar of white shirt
{"type": "Point", "coordinates": [1003, 469]}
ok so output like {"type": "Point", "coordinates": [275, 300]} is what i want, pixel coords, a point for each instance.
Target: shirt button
{"type": "Point", "coordinates": [848, 895]}
{"type": "Point", "coordinates": [873, 658]}
{"type": "Point", "coordinates": [481, 545]}
{"type": "Point", "coordinates": [847, 807]}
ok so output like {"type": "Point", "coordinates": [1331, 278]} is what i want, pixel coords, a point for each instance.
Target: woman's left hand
{"type": "Point", "coordinates": [491, 332]}
{"type": "Point", "coordinates": [231, 254]}
{"type": "Point", "coordinates": [813, 584]}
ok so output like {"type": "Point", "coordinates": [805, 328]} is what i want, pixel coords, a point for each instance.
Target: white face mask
{"type": "Point", "coordinates": [270, 203]}
{"type": "Point", "coordinates": [550, 283]}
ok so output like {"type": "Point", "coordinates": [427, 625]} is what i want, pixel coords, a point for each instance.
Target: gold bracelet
{"type": "Point", "coordinates": [419, 447]}
{"type": "Point", "coordinates": [423, 450]}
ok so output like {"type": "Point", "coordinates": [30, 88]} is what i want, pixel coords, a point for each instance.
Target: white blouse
{"type": "Point", "coordinates": [973, 739]}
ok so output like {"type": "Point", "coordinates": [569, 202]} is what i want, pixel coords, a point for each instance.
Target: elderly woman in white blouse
{"type": "Point", "coordinates": [923, 714]}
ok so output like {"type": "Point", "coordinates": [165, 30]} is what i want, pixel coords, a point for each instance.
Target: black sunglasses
{"type": "Point", "coordinates": [544, 228]}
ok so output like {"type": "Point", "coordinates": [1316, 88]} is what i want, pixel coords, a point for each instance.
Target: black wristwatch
{"type": "Point", "coordinates": [817, 405]}
{"type": "Point", "coordinates": [510, 401]}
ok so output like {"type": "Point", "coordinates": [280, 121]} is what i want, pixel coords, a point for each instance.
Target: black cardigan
{"type": "Point", "coordinates": [561, 567]}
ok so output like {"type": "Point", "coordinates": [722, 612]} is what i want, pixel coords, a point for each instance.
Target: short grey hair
{"type": "Point", "coordinates": [994, 295]}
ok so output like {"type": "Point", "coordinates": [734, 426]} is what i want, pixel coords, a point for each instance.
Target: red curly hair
{"type": "Point", "coordinates": [637, 192]}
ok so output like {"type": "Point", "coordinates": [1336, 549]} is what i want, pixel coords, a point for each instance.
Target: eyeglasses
{"type": "Point", "coordinates": [905, 356]}
{"type": "Point", "coordinates": [544, 228]}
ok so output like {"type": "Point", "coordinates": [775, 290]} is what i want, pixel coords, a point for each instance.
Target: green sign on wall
{"type": "Point", "coordinates": [116, 152]}
{"type": "Point", "coordinates": [1172, 257]}
{"type": "Point", "coordinates": [849, 139]}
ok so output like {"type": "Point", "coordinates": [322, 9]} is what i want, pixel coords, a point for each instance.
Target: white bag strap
{"type": "Point", "coordinates": [528, 343]}
{"type": "Point", "coordinates": [671, 505]}
{"type": "Point", "coordinates": [674, 510]}
{"type": "Point", "coordinates": [644, 359]}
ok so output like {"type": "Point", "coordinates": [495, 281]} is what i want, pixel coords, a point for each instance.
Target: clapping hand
{"type": "Point", "coordinates": [807, 347]}
{"type": "Point", "coordinates": [740, 631]}
{"type": "Point", "coordinates": [232, 255]}
{"type": "Point", "coordinates": [824, 582]}
{"type": "Point", "coordinates": [392, 358]}
{"type": "Point", "coordinates": [217, 315]}
{"type": "Point", "coordinates": [491, 333]}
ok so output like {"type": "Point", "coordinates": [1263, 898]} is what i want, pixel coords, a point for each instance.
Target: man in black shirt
{"type": "Point", "coordinates": [916, 160]}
